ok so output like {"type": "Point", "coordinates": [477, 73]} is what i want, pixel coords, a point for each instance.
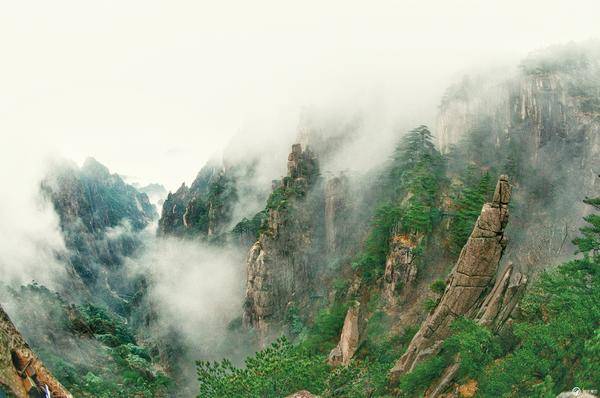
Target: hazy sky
{"type": "Point", "coordinates": [153, 88]}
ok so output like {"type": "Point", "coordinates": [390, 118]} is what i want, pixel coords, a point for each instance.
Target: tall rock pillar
{"type": "Point", "coordinates": [468, 283]}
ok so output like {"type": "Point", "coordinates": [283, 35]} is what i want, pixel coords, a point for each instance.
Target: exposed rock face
{"type": "Point", "coordinates": [335, 202]}
{"type": "Point", "coordinates": [100, 219]}
{"type": "Point", "coordinates": [21, 371]}
{"type": "Point", "coordinates": [95, 198]}
{"type": "Point", "coordinates": [400, 268]}
{"type": "Point", "coordinates": [467, 284]}
{"type": "Point", "coordinates": [349, 338]}
{"type": "Point", "coordinates": [546, 114]}
{"type": "Point", "coordinates": [279, 266]}
{"type": "Point", "coordinates": [502, 300]}
{"type": "Point", "coordinates": [494, 313]}
{"type": "Point", "coordinates": [204, 208]}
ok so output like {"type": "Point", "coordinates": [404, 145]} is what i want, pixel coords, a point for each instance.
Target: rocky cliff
{"type": "Point", "coordinates": [280, 272]}
{"type": "Point", "coordinates": [22, 373]}
{"type": "Point", "coordinates": [525, 124]}
{"type": "Point", "coordinates": [220, 195]}
{"type": "Point", "coordinates": [102, 220]}
{"type": "Point", "coordinates": [468, 283]}
{"type": "Point", "coordinates": [400, 265]}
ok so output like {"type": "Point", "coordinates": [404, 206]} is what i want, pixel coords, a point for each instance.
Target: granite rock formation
{"type": "Point", "coordinates": [349, 338]}
{"type": "Point", "coordinates": [279, 270]}
{"type": "Point", "coordinates": [22, 373]}
{"type": "Point", "coordinates": [400, 267]}
{"type": "Point", "coordinates": [494, 313]}
{"type": "Point", "coordinates": [468, 283]}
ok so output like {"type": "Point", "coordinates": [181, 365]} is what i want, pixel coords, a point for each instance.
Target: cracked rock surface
{"type": "Point", "coordinates": [22, 374]}
{"type": "Point", "coordinates": [468, 283]}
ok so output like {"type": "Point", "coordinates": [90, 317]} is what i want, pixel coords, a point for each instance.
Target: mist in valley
{"type": "Point", "coordinates": [196, 89]}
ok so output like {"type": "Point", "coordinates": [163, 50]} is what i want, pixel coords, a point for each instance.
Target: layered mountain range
{"type": "Point", "coordinates": [407, 279]}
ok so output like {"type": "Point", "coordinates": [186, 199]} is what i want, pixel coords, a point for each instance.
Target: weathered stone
{"type": "Point", "coordinates": [493, 313]}
{"type": "Point", "coordinates": [279, 270]}
{"type": "Point", "coordinates": [502, 192]}
{"type": "Point", "coordinates": [400, 268]}
{"type": "Point", "coordinates": [502, 300]}
{"type": "Point", "coordinates": [468, 283]}
{"type": "Point", "coordinates": [21, 371]}
{"type": "Point", "coordinates": [349, 338]}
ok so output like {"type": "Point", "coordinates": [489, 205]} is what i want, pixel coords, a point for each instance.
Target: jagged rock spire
{"type": "Point", "coordinates": [468, 283]}
{"type": "Point", "coordinates": [278, 266]}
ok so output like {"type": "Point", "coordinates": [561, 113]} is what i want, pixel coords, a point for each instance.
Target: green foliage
{"type": "Point", "coordinates": [101, 323]}
{"type": "Point", "coordinates": [589, 243]}
{"type": "Point", "coordinates": [117, 367]}
{"type": "Point", "coordinates": [367, 374]}
{"type": "Point", "coordinates": [277, 199]}
{"type": "Point", "coordinates": [418, 171]}
{"type": "Point", "coordinates": [294, 321]}
{"type": "Point", "coordinates": [326, 329]}
{"type": "Point", "coordinates": [560, 327]}
{"type": "Point", "coordinates": [276, 371]}
{"type": "Point", "coordinates": [430, 304]}
{"type": "Point", "coordinates": [474, 344]}
{"type": "Point", "coordinates": [416, 382]}
{"type": "Point", "coordinates": [468, 205]}
{"type": "Point", "coordinates": [250, 227]}
{"type": "Point", "coordinates": [438, 286]}
{"type": "Point", "coordinates": [416, 176]}
{"type": "Point", "coordinates": [372, 259]}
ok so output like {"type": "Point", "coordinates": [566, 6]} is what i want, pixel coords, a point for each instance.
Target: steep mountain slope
{"type": "Point", "coordinates": [400, 280]}
{"type": "Point", "coordinates": [100, 217]}
{"type": "Point", "coordinates": [83, 331]}
{"type": "Point", "coordinates": [541, 126]}
{"type": "Point", "coordinates": [390, 281]}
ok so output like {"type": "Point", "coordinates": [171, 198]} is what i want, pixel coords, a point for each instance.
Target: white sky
{"type": "Point", "coordinates": [154, 88]}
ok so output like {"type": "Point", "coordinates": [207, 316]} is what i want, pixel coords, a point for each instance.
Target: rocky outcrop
{"type": "Point", "coordinates": [468, 283]}
{"type": "Point", "coordinates": [546, 114]}
{"type": "Point", "coordinates": [279, 267]}
{"type": "Point", "coordinates": [95, 198]}
{"type": "Point", "coordinates": [494, 313]}
{"type": "Point", "coordinates": [204, 208]}
{"type": "Point", "coordinates": [349, 338]}
{"type": "Point", "coordinates": [400, 267]}
{"type": "Point", "coordinates": [502, 300]}
{"type": "Point", "coordinates": [22, 373]}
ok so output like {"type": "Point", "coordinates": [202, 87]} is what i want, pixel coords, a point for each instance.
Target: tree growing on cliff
{"type": "Point", "coordinates": [417, 174]}
{"type": "Point", "coordinates": [468, 205]}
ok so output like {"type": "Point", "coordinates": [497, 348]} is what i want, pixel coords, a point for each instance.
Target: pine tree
{"type": "Point", "coordinates": [417, 173]}
{"type": "Point", "coordinates": [590, 241]}
{"type": "Point", "coordinates": [468, 207]}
